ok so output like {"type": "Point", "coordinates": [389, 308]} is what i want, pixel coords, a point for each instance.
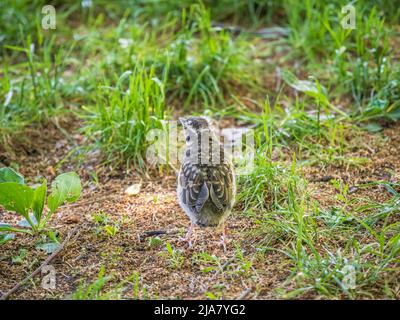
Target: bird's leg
{"type": "Point", "coordinates": [188, 236]}
{"type": "Point", "coordinates": [223, 236]}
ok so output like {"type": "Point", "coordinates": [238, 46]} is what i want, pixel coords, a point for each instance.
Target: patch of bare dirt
{"type": "Point", "coordinates": [382, 150]}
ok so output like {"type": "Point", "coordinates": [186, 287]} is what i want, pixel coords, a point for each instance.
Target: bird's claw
{"type": "Point", "coordinates": [186, 240]}
{"type": "Point", "coordinates": [188, 237]}
{"type": "Point", "coordinates": [224, 241]}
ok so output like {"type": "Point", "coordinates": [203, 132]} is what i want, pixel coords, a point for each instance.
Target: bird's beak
{"type": "Point", "coordinates": [181, 122]}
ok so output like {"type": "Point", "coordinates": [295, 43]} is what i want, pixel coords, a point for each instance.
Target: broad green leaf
{"type": "Point", "coordinates": [299, 85]}
{"type": "Point", "coordinates": [5, 227]}
{"type": "Point", "coordinates": [394, 114]}
{"type": "Point", "coordinates": [9, 175]}
{"type": "Point", "coordinates": [16, 197]}
{"type": "Point", "coordinates": [373, 127]}
{"type": "Point", "coordinates": [28, 224]}
{"type": "Point", "coordinates": [6, 237]}
{"type": "Point", "coordinates": [310, 88]}
{"type": "Point", "coordinates": [66, 187]}
{"type": "Point", "coordinates": [24, 223]}
{"type": "Point", "coordinates": [39, 200]}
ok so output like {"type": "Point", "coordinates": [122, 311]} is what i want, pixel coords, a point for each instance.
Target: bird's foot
{"type": "Point", "coordinates": [187, 240]}
{"type": "Point", "coordinates": [224, 241]}
{"type": "Point", "coordinates": [188, 237]}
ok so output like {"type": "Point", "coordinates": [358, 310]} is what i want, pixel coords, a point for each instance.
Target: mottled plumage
{"type": "Point", "coordinates": [206, 181]}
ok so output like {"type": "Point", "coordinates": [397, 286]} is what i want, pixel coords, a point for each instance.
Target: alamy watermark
{"type": "Point", "coordinates": [49, 277]}
{"type": "Point", "coordinates": [349, 20]}
{"type": "Point", "coordinates": [49, 19]}
{"type": "Point", "coordinates": [349, 277]}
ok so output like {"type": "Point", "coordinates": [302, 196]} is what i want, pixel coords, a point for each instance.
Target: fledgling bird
{"type": "Point", "coordinates": [206, 180]}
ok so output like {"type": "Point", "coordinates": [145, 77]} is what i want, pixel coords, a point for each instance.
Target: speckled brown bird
{"type": "Point", "coordinates": [206, 181]}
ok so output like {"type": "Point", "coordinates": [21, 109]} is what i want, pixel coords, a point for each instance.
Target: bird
{"type": "Point", "coordinates": [206, 185]}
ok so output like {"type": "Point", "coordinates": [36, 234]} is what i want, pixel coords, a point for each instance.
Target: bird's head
{"type": "Point", "coordinates": [194, 123]}
{"type": "Point", "coordinates": [194, 127]}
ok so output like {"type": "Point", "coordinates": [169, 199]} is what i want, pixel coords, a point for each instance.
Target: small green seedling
{"type": "Point", "coordinates": [106, 287]}
{"type": "Point", "coordinates": [19, 259]}
{"type": "Point", "coordinates": [154, 242]}
{"type": "Point", "coordinates": [29, 202]}
{"type": "Point", "coordinates": [342, 189]}
{"type": "Point", "coordinates": [175, 257]}
{"type": "Point", "coordinates": [104, 226]}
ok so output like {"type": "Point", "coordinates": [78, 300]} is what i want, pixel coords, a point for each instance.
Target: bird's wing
{"type": "Point", "coordinates": [194, 190]}
{"type": "Point", "coordinates": [220, 184]}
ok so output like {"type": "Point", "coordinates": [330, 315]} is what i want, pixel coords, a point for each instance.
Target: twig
{"type": "Point", "coordinates": [244, 294]}
{"type": "Point", "coordinates": [220, 270]}
{"type": "Point", "coordinates": [86, 202]}
{"type": "Point", "coordinates": [46, 262]}
{"type": "Point", "coordinates": [321, 179]}
{"type": "Point", "coordinates": [152, 233]}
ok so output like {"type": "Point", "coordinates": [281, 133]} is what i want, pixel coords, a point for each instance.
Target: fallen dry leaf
{"type": "Point", "coordinates": [133, 189]}
{"type": "Point", "coordinates": [50, 170]}
{"type": "Point", "coordinates": [70, 219]}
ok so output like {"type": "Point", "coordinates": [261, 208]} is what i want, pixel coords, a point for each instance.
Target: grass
{"type": "Point", "coordinates": [174, 256]}
{"type": "Point", "coordinates": [335, 259]}
{"type": "Point", "coordinates": [124, 115]}
{"type": "Point", "coordinates": [34, 96]}
{"type": "Point", "coordinates": [206, 76]}
{"type": "Point", "coordinates": [289, 222]}
{"type": "Point", "coordinates": [105, 288]}
{"type": "Point", "coordinates": [204, 64]}
{"type": "Point", "coordinates": [314, 98]}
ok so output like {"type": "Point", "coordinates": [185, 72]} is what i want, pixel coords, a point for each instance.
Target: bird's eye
{"type": "Point", "coordinates": [188, 138]}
